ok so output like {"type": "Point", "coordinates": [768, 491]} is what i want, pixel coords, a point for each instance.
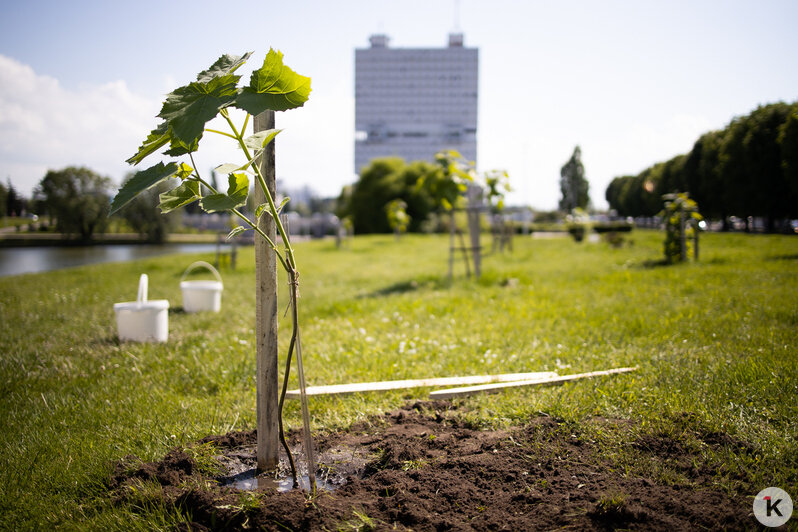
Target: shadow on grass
{"type": "Point", "coordinates": [404, 287]}
{"type": "Point", "coordinates": [112, 340]}
{"type": "Point", "coordinates": [651, 264]}
{"type": "Point", "coordinates": [773, 258]}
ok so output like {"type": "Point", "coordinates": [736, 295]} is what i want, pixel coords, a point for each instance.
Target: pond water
{"type": "Point", "coordinates": [14, 261]}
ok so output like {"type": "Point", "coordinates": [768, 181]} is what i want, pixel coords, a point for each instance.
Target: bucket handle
{"type": "Point", "coordinates": [143, 282]}
{"type": "Point", "coordinates": [202, 264]}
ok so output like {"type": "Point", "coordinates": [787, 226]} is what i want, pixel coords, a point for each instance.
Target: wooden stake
{"type": "Point", "coordinates": [464, 249]}
{"type": "Point", "coordinates": [451, 244]}
{"type": "Point", "coordinates": [472, 215]}
{"type": "Point", "coordinates": [471, 390]}
{"type": "Point", "coordinates": [334, 389]}
{"type": "Point", "coordinates": [266, 316]}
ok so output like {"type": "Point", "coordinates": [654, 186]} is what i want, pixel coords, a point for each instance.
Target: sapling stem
{"type": "Point", "coordinates": [281, 432]}
{"type": "Point", "coordinates": [289, 264]}
{"type": "Point", "coordinates": [302, 395]}
{"type": "Point", "coordinates": [209, 130]}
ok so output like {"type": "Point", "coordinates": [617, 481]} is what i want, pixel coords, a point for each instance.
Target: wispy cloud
{"type": "Point", "coordinates": [45, 126]}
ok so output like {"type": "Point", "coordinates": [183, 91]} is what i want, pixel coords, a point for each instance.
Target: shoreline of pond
{"type": "Point", "coordinates": [22, 240]}
{"type": "Point", "coordinates": [19, 260]}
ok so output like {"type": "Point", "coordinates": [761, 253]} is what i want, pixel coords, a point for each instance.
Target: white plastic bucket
{"type": "Point", "coordinates": [201, 296]}
{"type": "Point", "coordinates": [142, 320]}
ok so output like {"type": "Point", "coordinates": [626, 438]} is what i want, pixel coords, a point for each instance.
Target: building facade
{"type": "Point", "coordinates": [414, 102]}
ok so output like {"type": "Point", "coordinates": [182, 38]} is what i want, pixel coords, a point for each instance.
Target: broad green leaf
{"type": "Point", "coordinates": [238, 186]}
{"type": "Point", "coordinates": [157, 138]}
{"type": "Point", "coordinates": [225, 65]}
{"type": "Point", "coordinates": [141, 182]}
{"type": "Point", "coordinates": [282, 203]}
{"type": "Point", "coordinates": [187, 109]}
{"type": "Point", "coordinates": [274, 86]}
{"type": "Point", "coordinates": [260, 139]}
{"type": "Point", "coordinates": [236, 231]}
{"type": "Point", "coordinates": [187, 192]}
{"type": "Point", "coordinates": [237, 190]}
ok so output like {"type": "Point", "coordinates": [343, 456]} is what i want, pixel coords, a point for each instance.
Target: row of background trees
{"type": "Point", "coordinates": [76, 200]}
{"type": "Point", "coordinates": [11, 203]}
{"type": "Point", "coordinates": [748, 169]}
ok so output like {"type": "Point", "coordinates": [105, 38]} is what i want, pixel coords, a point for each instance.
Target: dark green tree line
{"type": "Point", "coordinates": [750, 168]}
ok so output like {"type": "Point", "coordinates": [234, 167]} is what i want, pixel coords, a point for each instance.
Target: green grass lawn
{"type": "Point", "coordinates": [715, 342]}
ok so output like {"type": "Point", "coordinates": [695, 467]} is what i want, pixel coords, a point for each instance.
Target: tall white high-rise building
{"type": "Point", "coordinates": [414, 102]}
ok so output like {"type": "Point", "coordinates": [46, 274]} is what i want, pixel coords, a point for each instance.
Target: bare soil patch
{"type": "Point", "coordinates": [421, 469]}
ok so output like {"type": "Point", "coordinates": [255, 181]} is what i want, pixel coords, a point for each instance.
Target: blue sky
{"type": "Point", "coordinates": [632, 83]}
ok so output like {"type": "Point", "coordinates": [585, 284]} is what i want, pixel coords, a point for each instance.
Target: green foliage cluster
{"type": "Point", "coordinates": [573, 184]}
{"type": "Point", "coordinates": [681, 226]}
{"type": "Point", "coordinates": [750, 168]}
{"type": "Point", "coordinates": [4, 198]}
{"type": "Point", "coordinates": [77, 198]}
{"type": "Point", "coordinates": [383, 181]}
{"type": "Point", "coordinates": [11, 202]}
{"type": "Point", "coordinates": [396, 210]}
{"type": "Point", "coordinates": [497, 184]}
{"type": "Point", "coordinates": [578, 224]}
{"type": "Point", "coordinates": [425, 188]}
{"type": "Point", "coordinates": [184, 115]}
{"type": "Point", "coordinates": [143, 217]}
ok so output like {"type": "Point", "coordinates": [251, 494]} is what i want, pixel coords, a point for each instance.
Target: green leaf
{"type": "Point", "coordinates": [178, 148]}
{"type": "Point", "coordinates": [187, 109]}
{"type": "Point", "coordinates": [187, 192]}
{"type": "Point", "coordinates": [225, 65]}
{"type": "Point", "coordinates": [227, 168]}
{"type": "Point", "coordinates": [282, 203]}
{"type": "Point", "coordinates": [157, 138]}
{"type": "Point", "coordinates": [236, 231]}
{"type": "Point", "coordinates": [141, 182]}
{"type": "Point", "coordinates": [184, 171]}
{"type": "Point", "coordinates": [237, 191]}
{"type": "Point", "coordinates": [274, 86]}
{"type": "Point", "coordinates": [259, 140]}
{"type": "Point", "coordinates": [260, 209]}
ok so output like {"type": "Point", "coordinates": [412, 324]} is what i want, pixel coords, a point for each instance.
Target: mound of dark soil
{"type": "Point", "coordinates": [420, 469]}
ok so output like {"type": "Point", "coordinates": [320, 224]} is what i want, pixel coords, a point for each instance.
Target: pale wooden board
{"type": "Point", "coordinates": [418, 383]}
{"type": "Point", "coordinates": [471, 390]}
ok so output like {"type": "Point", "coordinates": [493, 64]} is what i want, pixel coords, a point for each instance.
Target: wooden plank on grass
{"type": "Point", "coordinates": [419, 383]}
{"type": "Point", "coordinates": [471, 390]}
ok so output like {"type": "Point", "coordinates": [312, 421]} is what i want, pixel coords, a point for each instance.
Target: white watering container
{"type": "Point", "coordinates": [199, 296]}
{"type": "Point", "coordinates": [142, 320]}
